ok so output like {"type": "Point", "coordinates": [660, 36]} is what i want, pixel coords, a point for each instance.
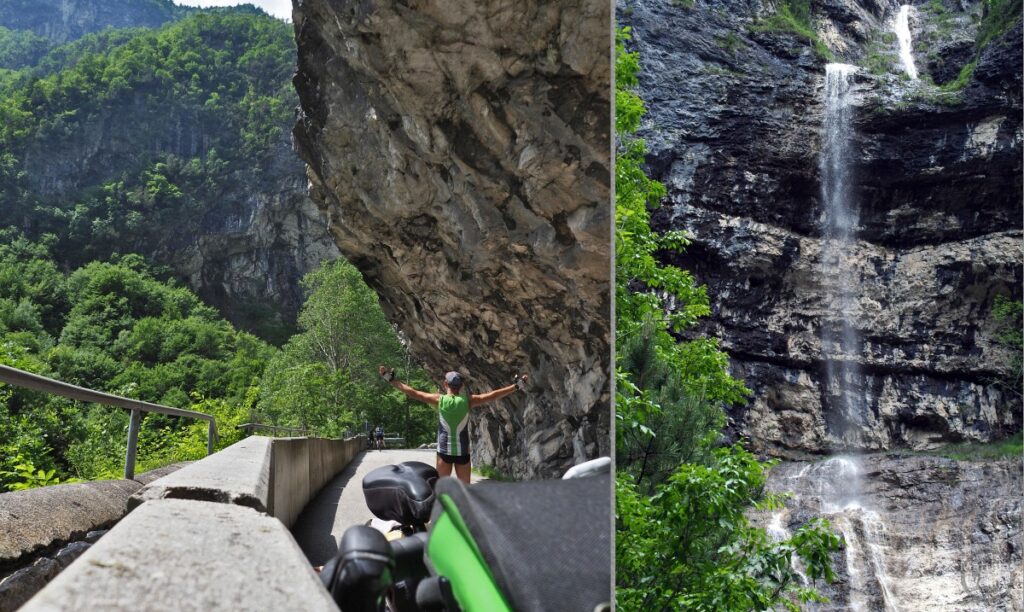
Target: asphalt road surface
{"type": "Point", "coordinates": [340, 504]}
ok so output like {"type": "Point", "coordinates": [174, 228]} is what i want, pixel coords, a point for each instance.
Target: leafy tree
{"type": "Point", "coordinates": [20, 48]}
{"type": "Point", "coordinates": [690, 546]}
{"type": "Point", "coordinates": [682, 429]}
{"type": "Point", "coordinates": [325, 378]}
{"type": "Point", "coordinates": [115, 327]}
{"type": "Point", "coordinates": [683, 540]}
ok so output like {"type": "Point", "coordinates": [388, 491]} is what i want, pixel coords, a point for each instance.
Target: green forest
{"type": "Point", "coordinates": [82, 297]}
{"type": "Point", "coordinates": [129, 140]}
{"type": "Point", "coordinates": [117, 326]}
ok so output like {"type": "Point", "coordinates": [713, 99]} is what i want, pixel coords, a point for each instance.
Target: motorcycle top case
{"type": "Point", "coordinates": [403, 492]}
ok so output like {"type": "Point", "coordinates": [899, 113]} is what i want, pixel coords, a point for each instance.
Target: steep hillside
{"type": "Point", "coordinates": [61, 21]}
{"type": "Point", "coordinates": [850, 173]}
{"type": "Point", "coordinates": [171, 143]}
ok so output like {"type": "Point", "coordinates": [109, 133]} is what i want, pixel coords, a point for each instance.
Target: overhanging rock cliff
{"type": "Point", "coordinates": [461, 150]}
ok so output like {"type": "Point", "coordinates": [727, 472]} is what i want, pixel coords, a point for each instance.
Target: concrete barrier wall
{"type": "Point", "coordinates": [239, 474]}
{"type": "Point", "coordinates": [290, 477]}
{"type": "Point", "coordinates": [277, 476]}
{"type": "Point", "coordinates": [176, 554]}
{"type": "Point", "coordinates": [43, 530]}
{"type": "Point", "coordinates": [301, 467]}
{"type": "Point", "coordinates": [211, 555]}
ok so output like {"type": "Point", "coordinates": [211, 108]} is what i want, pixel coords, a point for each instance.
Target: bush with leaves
{"type": "Point", "coordinates": [1009, 318]}
{"type": "Point", "coordinates": [115, 327]}
{"type": "Point", "coordinates": [690, 545]}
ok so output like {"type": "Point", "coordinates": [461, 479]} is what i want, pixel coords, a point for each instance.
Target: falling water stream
{"type": "Point", "coordinates": [840, 340]}
{"type": "Point", "coordinates": [903, 36]}
{"type": "Point", "coordinates": [836, 484]}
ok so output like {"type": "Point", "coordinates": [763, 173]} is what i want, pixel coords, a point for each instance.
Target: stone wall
{"type": "Point", "coordinates": [45, 529]}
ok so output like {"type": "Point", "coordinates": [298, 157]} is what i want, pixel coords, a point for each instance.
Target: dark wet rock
{"type": "Point", "coordinates": [734, 132]}
{"type": "Point", "coordinates": [736, 136]}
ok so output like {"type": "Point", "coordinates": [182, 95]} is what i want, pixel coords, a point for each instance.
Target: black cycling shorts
{"type": "Point", "coordinates": [454, 459]}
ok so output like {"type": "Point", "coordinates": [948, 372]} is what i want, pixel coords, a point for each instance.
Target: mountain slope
{"type": "Point", "coordinates": [170, 143]}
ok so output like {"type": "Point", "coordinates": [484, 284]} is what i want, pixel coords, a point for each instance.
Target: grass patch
{"type": "Point", "coordinates": [962, 79]}
{"type": "Point", "coordinates": [880, 54]}
{"type": "Point", "coordinates": [998, 17]}
{"type": "Point", "coordinates": [794, 17]}
{"type": "Point", "coordinates": [686, 4]}
{"type": "Point", "coordinates": [491, 473]}
{"type": "Point", "coordinates": [1010, 448]}
{"type": "Point", "coordinates": [730, 43]}
{"type": "Point", "coordinates": [941, 17]}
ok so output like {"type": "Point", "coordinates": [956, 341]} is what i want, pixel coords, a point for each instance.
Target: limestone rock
{"type": "Point", "coordinates": [922, 533]}
{"type": "Point", "coordinates": [461, 151]}
{"type": "Point", "coordinates": [734, 132]}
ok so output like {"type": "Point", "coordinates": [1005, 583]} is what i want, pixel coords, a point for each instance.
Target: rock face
{"type": "Point", "coordinates": [461, 150]}
{"type": "Point", "coordinates": [256, 244]}
{"type": "Point", "coordinates": [922, 533]}
{"type": "Point", "coordinates": [735, 130]}
{"type": "Point", "coordinates": [65, 20]}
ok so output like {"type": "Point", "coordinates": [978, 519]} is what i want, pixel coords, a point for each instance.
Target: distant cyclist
{"type": "Point", "coordinates": [378, 437]}
{"type": "Point", "coordinates": [453, 417]}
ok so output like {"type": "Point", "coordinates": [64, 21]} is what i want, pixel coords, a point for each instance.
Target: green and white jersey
{"type": "Point", "coordinates": [453, 424]}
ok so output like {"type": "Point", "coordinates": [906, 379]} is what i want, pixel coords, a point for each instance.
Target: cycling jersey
{"type": "Point", "coordinates": [453, 424]}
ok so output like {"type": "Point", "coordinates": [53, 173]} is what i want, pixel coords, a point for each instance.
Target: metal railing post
{"type": "Point", "coordinates": [133, 442]}
{"type": "Point", "coordinates": [36, 382]}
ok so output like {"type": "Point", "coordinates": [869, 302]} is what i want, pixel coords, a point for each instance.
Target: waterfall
{"type": "Point", "coordinates": [834, 487]}
{"type": "Point", "coordinates": [836, 483]}
{"type": "Point", "coordinates": [840, 340]}
{"type": "Point", "coordinates": [906, 46]}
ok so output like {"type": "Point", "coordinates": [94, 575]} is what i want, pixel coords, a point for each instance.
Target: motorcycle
{"type": "Point", "coordinates": [489, 547]}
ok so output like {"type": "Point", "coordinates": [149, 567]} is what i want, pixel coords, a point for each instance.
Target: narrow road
{"type": "Point", "coordinates": [340, 504]}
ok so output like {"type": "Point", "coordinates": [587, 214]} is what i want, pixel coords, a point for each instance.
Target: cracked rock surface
{"type": "Point", "coordinates": [461, 151]}
{"type": "Point", "coordinates": [735, 131]}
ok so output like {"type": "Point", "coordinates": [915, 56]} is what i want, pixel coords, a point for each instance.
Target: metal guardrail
{"type": "Point", "coordinates": [27, 380]}
{"type": "Point", "coordinates": [250, 427]}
